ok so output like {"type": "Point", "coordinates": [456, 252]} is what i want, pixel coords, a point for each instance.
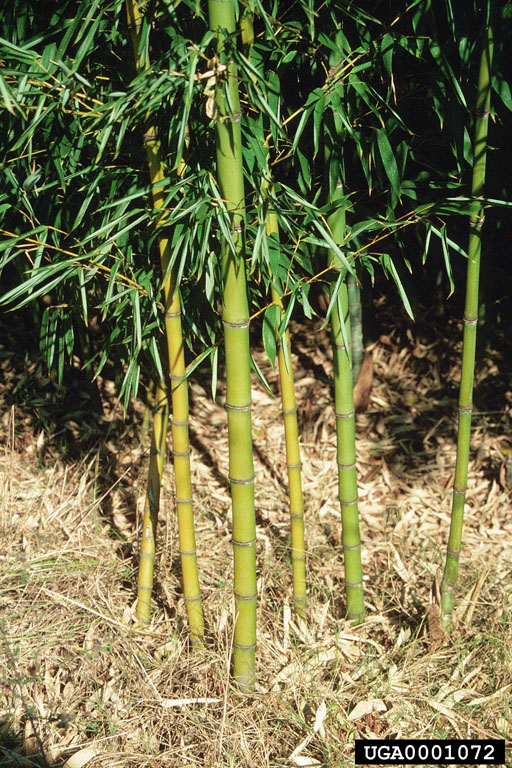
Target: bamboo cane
{"type": "Point", "coordinates": [288, 401]}
{"type": "Point", "coordinates": [345, 430]}
{"type": "Point", "coordinates": [160, 407]}
{"type": "Point", "coordinates": [483, 100]}
{"type": "Point", "coordinates": [291, 431]}
{"type": "Point", "coordinates": [343, 387]}
{"type": "Point", "coordinates": [175, 346]}
{"type": "Point", "coordinates": [235, 318]}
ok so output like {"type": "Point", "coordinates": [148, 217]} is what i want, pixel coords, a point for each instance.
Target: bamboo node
{"type": "Point", "coordinates": [192, 599]}
{"type": "Point", "coordinates": [243, 543]}
{"type": "Point", "coordinates": [150, 135]}
{"type": "Point", "coordinates": [349, 415]}
{"type": "Point", "coordinates": [349, 503]}
{"type": "Point", "coordinates": [354, 585]}
{"type": "Point", "coordinates": [465, 408]}
{"type": "Point", "coordinates": [352, 546]}
{"type": "Point", "coordinates": [352, 616]}
{"type": "Point", "coordinates": [229, 407]}
{"type": "Point", "coordinates": [173, 377]}
{"type": "Point", "coordinates": [482, 112]}
{"type": "Point", "coordinates": [289, 411]}
{"type": "Point", "coordinates": [245, 597]}
{"type": "Point", "coordinates": [244, 324]}
{"type": "Point", "coordinates": [346, 466]}
{"type": "Point", "coordinates": [173, 314]}
{"type": "Point", "coordinates": [470, 320]}
{"type": "Point", "coordinates": [295, 466]}
{"type": "Point", "coordinates": [181, 453]}
{"type": "Point", "coordinates": [146, 554]}
{"type": "Point", "coordinates": [296, 515]}
{"type": "Point", "coordinates": [249, 481]}
{"type": "Point", "coordinates": [187, 551]}
{"type": "Point", "coordinates": [459, 491]}
{"type": "Point", "coordinates": [176, 423]}
{"type": "Point", "coordinates": [244, 647]}
{"type": "Point", "coordinates": [453, 552]}
{"type": "Point", "coordinates": [147, 589]}
{"type": "Point", "coordinates": [183, 501]}
{"type": "Point", "coordinates": [297, 558]}
{"type": "Point", "coordinates": [341, 346]}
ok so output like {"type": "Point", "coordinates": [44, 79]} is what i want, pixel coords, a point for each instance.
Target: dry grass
{"type": "Point", "coordinates": [78, 676]}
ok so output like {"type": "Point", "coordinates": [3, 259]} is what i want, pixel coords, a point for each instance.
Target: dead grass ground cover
{"type": "Point", "coordinates": [80, 682]}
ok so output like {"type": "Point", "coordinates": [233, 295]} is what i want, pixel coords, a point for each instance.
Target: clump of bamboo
{"type": "Point", "coordinates": [451, 570]}
{"type": "Point", "coordinates": [176, 355]}
{"type": "Point", "coordinates": [235, 318]}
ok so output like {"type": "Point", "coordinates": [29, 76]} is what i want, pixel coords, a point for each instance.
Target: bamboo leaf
{"type": "Point", "coordinates": [388, 161]}
{"type": "Point", "coordinates": [269, 328]}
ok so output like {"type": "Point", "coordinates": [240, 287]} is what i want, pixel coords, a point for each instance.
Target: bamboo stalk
{"type": "Point", "coordinates": [288, 401]}
{"type": "Point", "coordinates": [235, 318]}
{"type": "Point", "coordinates": [176, 355]}
{"type": "Point", "coordinates": [160, 407]}
{"type": "Point", "coordinates": [483, 100]}
{"type": "Point", "coordinates": [343, 386]}
{"type": "Point", "coordinates": [293, 462]}
{"type": "Point", "coordinates": [345, 429]}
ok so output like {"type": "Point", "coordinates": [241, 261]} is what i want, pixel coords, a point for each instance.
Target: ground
{"type": "Point", "coordinates": [82, 684]}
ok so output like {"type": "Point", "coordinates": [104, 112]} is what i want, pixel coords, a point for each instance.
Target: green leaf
{"type": "Point", "coordinates": [269, 328]}
{"type": "Point", "coordinates": [388, 161]}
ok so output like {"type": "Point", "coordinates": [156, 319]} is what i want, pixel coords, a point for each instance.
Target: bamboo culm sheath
{"type": "Point", "coordinates": [235, 318]}
{"type": "Point", "coordinates": [356, 325]}
{"type": "Point", "coordinates": [451, 570]}
{"type": "Point", "coordinates": [176, 356]}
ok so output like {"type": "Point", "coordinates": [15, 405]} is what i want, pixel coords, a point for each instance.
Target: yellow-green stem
{"type": "Point", "coordinates": [176, 355]}
{"type": "Point", "coordinates": [293, 462]}
{"type": "Point", "coordinates": [152, 503]}
{"type": "Point", "coordinates": [451, 570]}
{"type": "Point", "coordinates": [235, 318]}
{"type": "Point", "coordinates": [345, 429]}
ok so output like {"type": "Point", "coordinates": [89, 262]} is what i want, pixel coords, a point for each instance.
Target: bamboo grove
{"type": "Point", "coordinates": [186, 176]}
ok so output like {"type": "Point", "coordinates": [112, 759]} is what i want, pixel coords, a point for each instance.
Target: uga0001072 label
{"type": "Point", "coordinates": [430, 752]}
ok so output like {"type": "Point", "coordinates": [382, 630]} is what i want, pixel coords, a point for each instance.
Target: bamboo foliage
{"type": "Point", "coordinates": [176, 356]}
{"type": "Point", "coordinates": [235, 319]}
{"type": "Point", "coordinates": [483, 99]}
